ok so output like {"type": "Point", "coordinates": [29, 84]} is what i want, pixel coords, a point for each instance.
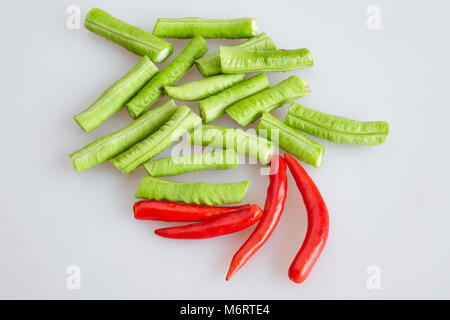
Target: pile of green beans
{"type": "Point", "coordinates": [224, 89]}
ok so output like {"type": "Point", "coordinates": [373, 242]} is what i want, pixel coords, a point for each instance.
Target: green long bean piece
{"type": "Point", "coordinates": [291, 140]}
{"type": "Point", "coordinates": [153, 90]}
{"type": "Point", "coordinates": [238, 140]}
{"type": "Point", "coordinates": [132, 38]}
{"type": "Point", "coordinates": [203, 88]}
{"type": "Point", "coordinates": [237, 60]}
{"type": "Point", "coordinates": [115, 97]}
{"type": "Point", "coordinates": [209, 65]}
{"type": "Point", "coordinates": [335, 128]}
{"type": "Point", "coordinates": [214, 107]}
{"type": "Point", "coordinates": [204, 193]}
{"type": "Point", "coordinates": [184, 119]}
{"type": "Point", "coordinates": [115, 143]}
{"type": "Point", "coordinates": [172, 166]}
{"type": "Point", "coordinates": [207, 28]}
{"type": "Point", "coordinates": [249, 109]}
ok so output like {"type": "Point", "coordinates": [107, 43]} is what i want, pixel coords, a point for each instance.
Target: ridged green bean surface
{"type": "Point", "coordinates": [291, 140]}
{"type": "Point", "coordinates": [115, 97]}
{"type": "Point", "coordinates": [109, 146]}
{"type": "Point", "coordinates": [237, 60]}
{"type": "Point", "coordinates": [184, 119]}
{"type": "Point", "coordinates": [132, 38]}
{"type": "Point", "coordinates": [204, 193]}
{"type": "Point", "coordinates": [335, 128]}
{"type": "Point", "coordinates": [249, 109]}
{"type": "Point", "coordinates": [172, 166]}
{"type": "Point", "coordinates": [203, 88]}
{"type": "Point", "coordinates": [238, 140]}
{"type": "Point", "coordinates": [209, 65]}
{"type": "Point", "coordinates": [207, 28]}
{"type": "Point", "coordinates": [214, 107]}
{"type": "Point", "coordinates": [153, 90]}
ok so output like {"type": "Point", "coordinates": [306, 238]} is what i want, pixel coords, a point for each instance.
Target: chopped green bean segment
{"type": "Point", "coordinates": [249, 109]}
{"type": "Point", "coordinates": [184, 119]}
{"type": "Point", "coordinates": [115, 143]}
{"type": "Point", "coordinates": [132, 38]}
{"type": "Point", "coordinates": [335, 128]}
{"type": "Point", "coordinates": [209, 65]}
{"type": "Point", "coordinates": [207, 28]}
{"type": "Point", "coordinates": [204, 193]}
{"type": "Point", "coordinates": [153, 90]}
{"type": "Point", "coordinates": [203, 88]}
{"type": "Point", "coordinates": [238, 140]}
{"type": "Point", "coordinates": [291, 140]}
{"type": "Point", "coordinates": [214, 107]}
{"type": "Point", "coordinates": [115, 97]}
{"type": "Point", "coordinates": [237, 60]}
{"type": "Point", "coordinates": [172, 166]}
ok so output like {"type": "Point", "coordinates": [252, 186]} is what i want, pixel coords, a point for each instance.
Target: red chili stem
{"type": "Point", "coordinates": [276, 196]}
{"type": "Point", "coordinates": [178, 212]}
{"type": "Point", "coordinates": [223, 224]}
{"type": "Point", "coordinates": [318, 223]}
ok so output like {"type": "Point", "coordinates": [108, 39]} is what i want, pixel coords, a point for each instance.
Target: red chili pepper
{"type": "Point", "coordinates": [178, 212]}
{"type": "Point", "coordinates": [276, 195]}
{"type": "Point", "coordinates": [318, 223]}
{"type": "Point", "coordinates": [224, 224]}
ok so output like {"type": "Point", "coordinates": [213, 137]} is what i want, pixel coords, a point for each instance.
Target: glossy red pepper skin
{"type": "Point", "coordinates": [178, 212]}
{"type": "Point", "coordinates": [318, 223]}
{"type": "Point", "coordinates": [223, 224]}
{"type": "Point", "coordinates": [276, 196]}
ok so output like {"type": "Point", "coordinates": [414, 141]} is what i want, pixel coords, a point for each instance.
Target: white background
{"type": "Point", "coordinates": [388, 204]}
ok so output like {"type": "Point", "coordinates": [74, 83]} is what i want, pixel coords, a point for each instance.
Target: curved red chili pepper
{"type": "Point", "coordinates": [224, 224]}
{"type": "Point", "coordinates": [276, 195]}
{"type": "Point", "coordinates": [318, 223]}
{"type": "Point", "coordinates": [178, 212]}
